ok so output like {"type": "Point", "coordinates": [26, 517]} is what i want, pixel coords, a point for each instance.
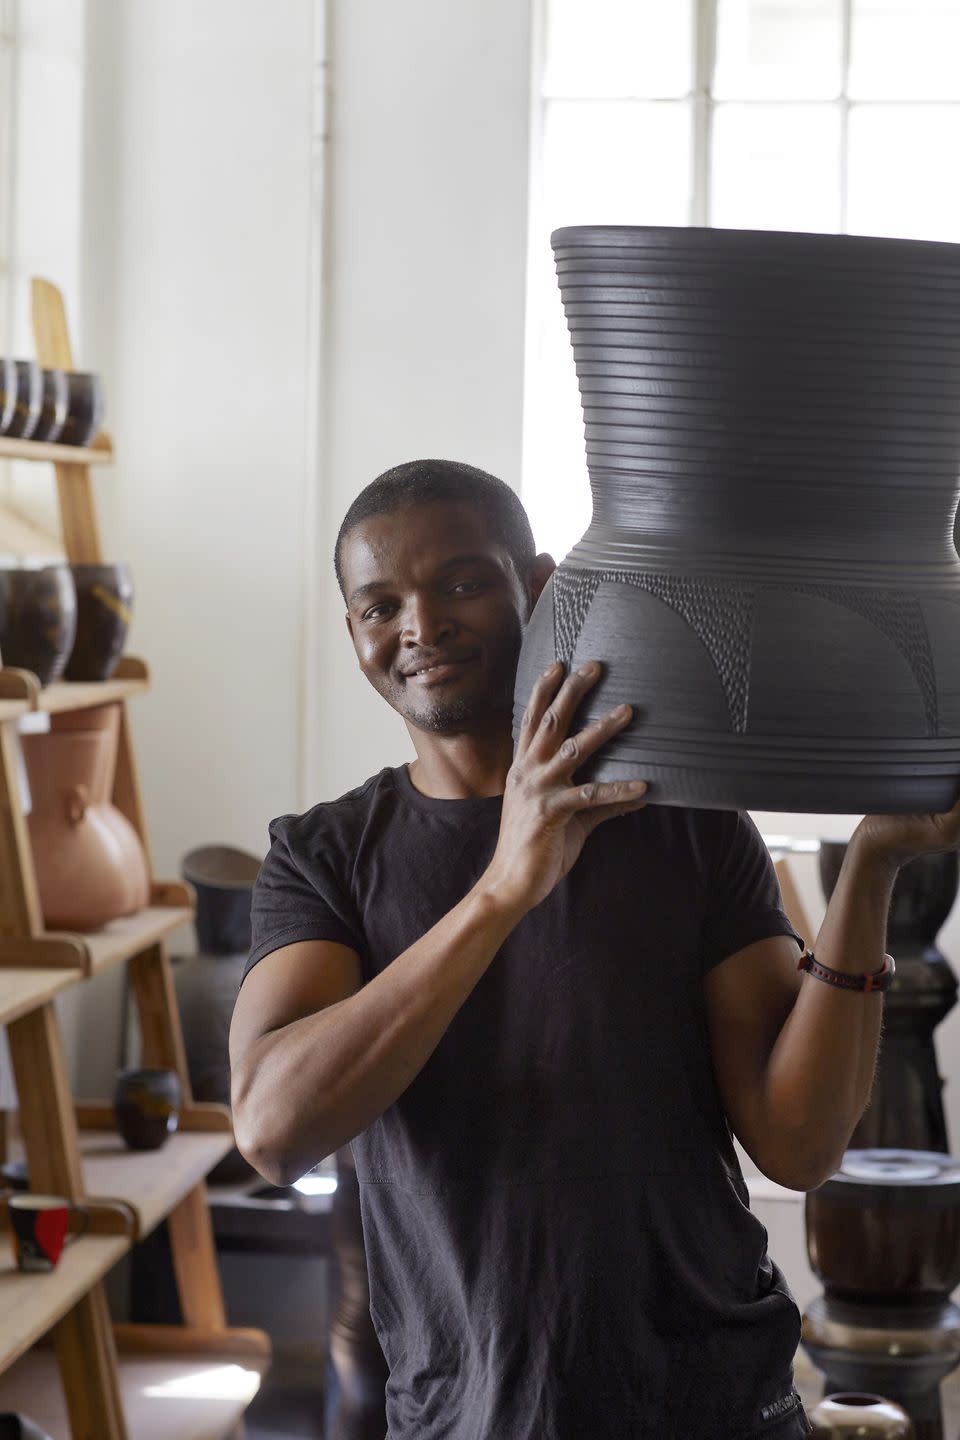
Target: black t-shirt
{"type": "Point", "coordinates": [558, 1233]}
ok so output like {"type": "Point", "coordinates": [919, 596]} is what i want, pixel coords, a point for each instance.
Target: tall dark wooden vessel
{"type": "Point", "coordinates": [773, 438]}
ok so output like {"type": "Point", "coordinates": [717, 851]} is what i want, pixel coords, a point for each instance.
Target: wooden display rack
{"type": "Point", "coordinates": [72, 1149]}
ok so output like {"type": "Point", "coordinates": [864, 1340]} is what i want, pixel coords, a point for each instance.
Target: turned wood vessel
{"type": "Point", "coordinates": [773, 438]}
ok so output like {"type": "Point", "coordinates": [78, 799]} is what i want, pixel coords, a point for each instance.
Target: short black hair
{"type": "Point", "coordinates": [424, 482]}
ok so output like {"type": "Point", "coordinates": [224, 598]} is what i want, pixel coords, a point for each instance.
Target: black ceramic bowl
{"type": "Point", "coordinates": [146, 1105]}
{"type": "Point", "coordinates": [8, 392]}
{"type": "Point", "coordinates": [84, 409]}
{"type": "Point", "coordinates": [38, 619]}
{"type": "Point", "coordinates": [29, 402]}
{"type": "Point", "coordinates": [53, 411]}
{"type": "Point", "coordinates": [104, 605]}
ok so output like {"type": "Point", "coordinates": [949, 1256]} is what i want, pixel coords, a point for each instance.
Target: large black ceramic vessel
{"type": "Point", "coordinates": [773, 439]}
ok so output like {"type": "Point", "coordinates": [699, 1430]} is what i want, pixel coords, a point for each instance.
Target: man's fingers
{"type": "Point", "coordinates": [547, 736]}
{"type": "Point", "coordinates": [544, 689]}
{"type": "Point", "coordinates": [578, 748]}
{"type": "Point", "coordinates": [599, 795]}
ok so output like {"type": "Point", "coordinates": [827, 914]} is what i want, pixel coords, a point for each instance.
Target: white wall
{"type": "Point", "coordinates": [427, 199]}
{"type": "Point", "coordinates": [196, 254]}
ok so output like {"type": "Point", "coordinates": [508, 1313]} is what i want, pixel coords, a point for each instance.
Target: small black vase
{"type": "Point", "coordinates": [8, 392]}
{"type": "Point", "coordinates": [147, 1105]}
{"type": "Point", "coordinates": [53, 409]}
{"type": "Point", "coordinates": [29, 401]}
{"type": "Point", "coordinates": [85, 408]}
{"type": "Point", "coordinates": [104, 601]}
{"type": "Point", "coordinates": [38, 619]}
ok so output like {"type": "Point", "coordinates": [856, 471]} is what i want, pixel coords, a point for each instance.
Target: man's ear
{"type": "Point", "coordinates": [540, 572]}
{"type": "Point", "coordinates": [349, 625]}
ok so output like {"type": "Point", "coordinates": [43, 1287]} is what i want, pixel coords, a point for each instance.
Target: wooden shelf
{"type": "Point", "coordinates": [199, 1396]}
{"type": "Point", "coordinates": [22, 690]}
{"type": "Point", "coordinates": [11, 449]}
{"type": "Point", "coordinates": [92, 953]}
{"type": "Point", "coordinates": [30, 1304]}
{"type": "Point", "coordinates": [23, 990]}
{"type": "Point", "coordinates": [122, 939]}
{"type": "Point", "coordinates": [151, 1182]}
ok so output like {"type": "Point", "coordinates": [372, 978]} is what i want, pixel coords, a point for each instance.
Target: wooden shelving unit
{"type": "Point", "coordinates": [97, 1381]}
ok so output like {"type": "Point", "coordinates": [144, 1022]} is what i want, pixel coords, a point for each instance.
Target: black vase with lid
{"type": "Point", "coordinates": [773, 438]}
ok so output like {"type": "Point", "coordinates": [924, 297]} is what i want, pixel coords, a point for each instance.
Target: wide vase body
{"type": "Point", "coordinates": [770, 576]}
{"type": "Point", "coordinates": [90, 863]}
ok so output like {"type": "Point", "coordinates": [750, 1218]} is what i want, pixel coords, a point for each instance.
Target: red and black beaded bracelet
{"type": "Point", "coordinates": [870, 981]}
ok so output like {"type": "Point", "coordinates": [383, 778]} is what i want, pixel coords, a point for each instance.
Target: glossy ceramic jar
{"type": "Point", "coordinates": [146, 1105]}
{"type": "Point", "coordinates": [852, 1416]}
{"type": "Point", "coordinates": [773, 438]}
{"type": "Point", "coordinates": [90, 864]}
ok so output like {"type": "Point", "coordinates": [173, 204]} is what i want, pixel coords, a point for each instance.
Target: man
{"type": "Point", "coordinates": [537, 1008]}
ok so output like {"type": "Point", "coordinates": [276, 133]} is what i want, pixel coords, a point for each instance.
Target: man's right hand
{"type": "Point", "coordinates": [546, 817]}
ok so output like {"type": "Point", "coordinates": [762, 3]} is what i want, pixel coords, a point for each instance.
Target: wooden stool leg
{"type": "Point", "coordinates": [46, 1107]}
{"type": "Point", "coordinates": [195, 1262]}
{"type": "Point", "coordinates": [161, 1037]}
{"type": "Point", "coordinates": [192, 1246]}
{"type": "Point", "coordinates": [88, 1369]}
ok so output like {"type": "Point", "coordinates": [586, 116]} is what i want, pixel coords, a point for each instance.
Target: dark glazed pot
{"type": "Point", "coordinates": [773, 439]}
{"type": "Point", "coordinates": [104, 611]}
{"type": "Point", "coordinates": [29, 401]}
{"type": "Point", "coordinates": [223, 878]}
{"type": "Point", "coordinates": [53, 410]}
{"type": "Point", "coordinates": [147, 1105]}
{"type": "Point", "coordinates": [38, 620]}
{"type": "Point", "coordinates": [886, 1228]}
{"type": "Point", "coordinates": [85, 408]}
{"type": "Point", "coordinates": [8, 392]}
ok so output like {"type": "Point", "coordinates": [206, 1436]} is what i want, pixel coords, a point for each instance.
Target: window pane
{"type": "Point", "coordinates": [776, 167]}
{"type": "Point", "coordinates": [616, 163]}
{"type": "Point", "coordinates": [905, 50]}
{"type": "Point", "coordinates": [603, 163]}
{"type": "Point", "coordinates": [619, 48]}
{"type": "Point", "coordinates": [902, 169]}
{"type": "Point", "coordinates": [779, 50]}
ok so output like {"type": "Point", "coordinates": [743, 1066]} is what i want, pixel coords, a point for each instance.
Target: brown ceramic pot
{"type": "Point", "coordinates": [885, 1229]}
{"type": "Point", "coordinates": [38, 619]}
{"type": "Point", "coordinates": [90, 863]}
{"type": "Point", "coordinates": [850, 1416]}
{"type": "Point", "coordinates": [104, 600]}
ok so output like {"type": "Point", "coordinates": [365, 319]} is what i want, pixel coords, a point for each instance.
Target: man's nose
{"type": "Point", "coordinates": [426, 622]}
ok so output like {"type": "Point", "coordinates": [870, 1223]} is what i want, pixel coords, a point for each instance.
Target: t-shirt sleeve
{"type": "Point", "coordinates": [297, 897]}
{"type": "Point", "coordinates": [743, 897]}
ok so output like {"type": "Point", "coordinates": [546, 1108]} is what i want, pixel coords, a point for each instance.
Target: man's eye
{"type": "Point", "coordinates": [376, 612]}
{"type": "Point", "coordinates": [467, 587]}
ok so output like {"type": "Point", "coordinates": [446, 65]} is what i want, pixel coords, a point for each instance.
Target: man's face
{"type": "Point", "coordinates": [436, 613]}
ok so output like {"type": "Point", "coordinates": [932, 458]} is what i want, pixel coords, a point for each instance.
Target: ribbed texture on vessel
{"type": "Point", "coordinates": [772, 426]}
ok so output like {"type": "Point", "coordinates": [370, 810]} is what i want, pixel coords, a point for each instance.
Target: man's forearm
{"type": "Point", "coordinates": [308, 1088]}
{"type": "Point", "coordinates": [821, 1069]}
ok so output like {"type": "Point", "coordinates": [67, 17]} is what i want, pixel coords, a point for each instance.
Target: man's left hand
{"type": "Point", "coordinates": [897, 839]}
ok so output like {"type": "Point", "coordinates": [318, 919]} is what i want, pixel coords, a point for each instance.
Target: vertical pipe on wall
{"type": "Point", "coordinates": [316, 503]}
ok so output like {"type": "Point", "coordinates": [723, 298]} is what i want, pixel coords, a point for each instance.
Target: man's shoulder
{"type": "Point", "coordinates": [332, 820]}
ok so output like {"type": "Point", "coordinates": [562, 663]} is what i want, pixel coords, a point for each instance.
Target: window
{"type": "Point", "coordinates": [820, 115]}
